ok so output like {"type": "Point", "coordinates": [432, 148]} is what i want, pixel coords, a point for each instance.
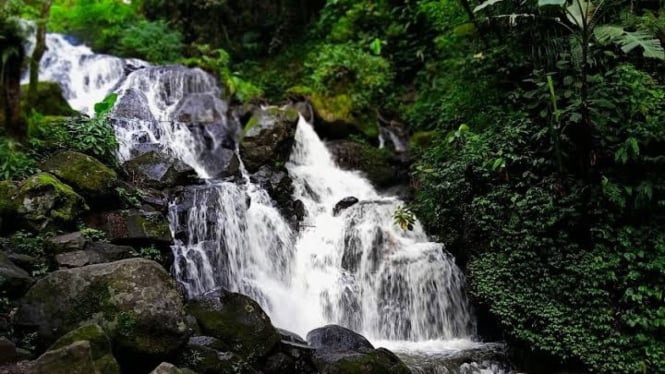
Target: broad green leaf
{"type": "Point", "coordinates": [651, 46]}
{"type": "Point", "coordinates": [607, 33]}
{"type": "Point", "coordinates": [485, 4]}
{"type": "Point", "coordinates": [580, 12]}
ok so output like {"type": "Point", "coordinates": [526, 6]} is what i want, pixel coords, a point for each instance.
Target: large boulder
{"type": "Point", "coordinates": [335, 118]}
{"type": "Point", "coordinates": [237, 321]}
{"type": "Point", "coordinates": [87, 175]}
{"type": "Point", "coordinates": [14, 281]}
{"type": "Point", "coordinates": [338, 338]}
{"type": "Point", "coordinates": [49, 100]}
{"type": "Point", "coordinates": [166, 368]}
{"type": "Point", "coordinates": [134, 227]}
{"type": "Point", "coordinates": [268, 137]}
{"type": "Point", "coordinates": [75, 358]}
{"type": "Point", "coordinates": [205, 354]}
{"type": "Point", "coordinates": [157, 170]}
{"type": "Point", "coordinates": [382, 167]}
{"type": "Point", "coordinates": [100, 346]}
{"type": "Point", "coordinates": [278, 184]}
{"type": "Point", "coordinates": [135, 301]}
{"type": "Point", "coordinates": [342, 351]}
{"type": "Point", "coordinates": [45, 203]}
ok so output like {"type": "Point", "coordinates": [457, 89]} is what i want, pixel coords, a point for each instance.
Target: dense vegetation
{"type": "Point", "coordinates": [538, 130]}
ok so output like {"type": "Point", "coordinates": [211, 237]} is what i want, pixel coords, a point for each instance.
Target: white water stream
{"type": "Point", "coordinates": [357, 269]}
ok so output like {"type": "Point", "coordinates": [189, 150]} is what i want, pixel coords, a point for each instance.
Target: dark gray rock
{"type": "Point", "coordinates": [338, 339]}
{"type": "Point", "coordinates": [237, 321]}
{"type": "Point", "coordinates": [14, 281]}
{"type": "Point", "coordinates": [346, 202]}
{"type": "Point", "coordinates": [73, 241]}
{"type": "Point", "coordinates": [75, 358]}
{"type": "Point", "coordinates": [268, 137]}
{"type": "Point", "coordinates": [158, 170]}
{"type": "Point", "coordinates": [94, 253]}
{"type": "Point", "coordinates": [134, 300]}
{"type": "Point", "coordinates": [7, 351]}
{"type": "Point", "coordinates": [135, 227]}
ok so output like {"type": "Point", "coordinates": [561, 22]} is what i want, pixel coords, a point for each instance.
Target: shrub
{"type": "Point", "coordinates": [152, 41]}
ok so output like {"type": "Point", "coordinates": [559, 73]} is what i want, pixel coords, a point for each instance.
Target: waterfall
{"type": "Point", "coordinates": [355, 268]}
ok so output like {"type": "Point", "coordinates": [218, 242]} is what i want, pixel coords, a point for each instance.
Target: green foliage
{"type": "Point", "coordinates": [27, 243]}
{"type": "Point", "coordinates": [92, 234]}
{"type": "Point", "coordinates": [218, 62]}
{"type": "Point", "coordinates": [99, 23]}
{"type": "Point", "coordinates": [151, 253]}
{"type": "Point", "coordinates": [404, 218]}
{"type": "Point", "coordinates": [347, 69]}
{"type": "Point", "coordinates": [15, 162]}
{"type": "Point", "coordinates": [104, 107]}
{"type": "Point", "coordinates": [130, 199]}
{"type": "Point", "coordinates": [153, 41]}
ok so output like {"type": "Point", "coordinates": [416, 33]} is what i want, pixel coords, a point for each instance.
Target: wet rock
{"type": "Point", "coordinates": [135, 301]}
{"type": "Point", "coordinates": [14, 281]}
{"type": "Point", "coordinates": [133, 104]}
{"type": "Point", "coordinates": [346, 202]}
{"type": "Point", "coordinates": [338, 338]}
{"type": "Point", "coordinates": [268, 137]}
{"type": "Point", "coordinates": [237, 321]}
{"type": "Point", "coordinates": [291, 337]}
{"type": "Point", "coordinates": [75, 358]}
{"type": "Point", "coordinates": [278, 184]}
{"type": "Point", "coordinates": [134, 227]}
{"type": "Point", "coordinates": [305, 109]}
{"type": "Point", "coordinates": [45, 203]}
{"type": "Point", "coordinates": [157, 170]}
{"type": "Point", "coordinates": [382, 167]}
{"type": "Point", "coordinates": [340, 351]}
{"type": "Point", "coordinates": [88, 176]}
{"type": "Point", "coordinates": [100, 346]}
{"type": "Point", "coordinates": [201, 108]}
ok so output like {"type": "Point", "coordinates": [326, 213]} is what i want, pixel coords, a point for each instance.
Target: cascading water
{"type": "Point", "coordinates": [355, 268]}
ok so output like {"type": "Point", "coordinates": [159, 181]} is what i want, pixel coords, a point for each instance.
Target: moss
{"type": "Point", "coordinates": [107, 365]}
{"type": "Point", "coordinates": [375, 362]}
{"type": "Point", "coordinates": [334, 109]}
{"type": "Point", "coordinates": [422, 139]}
{"type": "Point", "coordinates": [303, 91]}
{"type": "Point", "coordinates": [253, 122]}
{"type": "Point", "coordinates": [88, 175]}
{"type": "Point", "coordinates": [49, 101]}
{"type": "Point", "coordinates": [338, 114]}
{"type": "Point", "coordinates": [153, 226]}
{"type": "Point", "coordinates": [100, 344]}
{"type": "Point", "coordinates": [239, 323]}
{"type": "Point", "coordinates": [46, 202]}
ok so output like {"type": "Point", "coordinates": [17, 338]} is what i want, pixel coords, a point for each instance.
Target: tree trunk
{"type": "Point", "coordinates": [38, 53]}
{"type": "Point", "coordinates": [12, 99]}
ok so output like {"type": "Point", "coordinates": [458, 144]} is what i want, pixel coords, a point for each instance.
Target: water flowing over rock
{"type": "Point", "coordinates": [352, 267]}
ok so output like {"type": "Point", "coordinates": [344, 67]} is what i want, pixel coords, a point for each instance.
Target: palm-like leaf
{"type": "Point", "coordinates": [485, 4]}
{"type": "Point", "coordinates": [629, 40]}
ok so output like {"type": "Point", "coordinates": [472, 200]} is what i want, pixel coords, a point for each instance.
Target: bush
{"type": "Point", "coordinates": [152, 41]}
{"type": "Point", "coordinates": [15, 162]}
{"type": "Point", "coordinates": [346, 69]}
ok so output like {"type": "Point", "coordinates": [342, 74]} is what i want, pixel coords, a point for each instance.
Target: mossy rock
{"type": "Point", "coordinates": [49, 101]}
{"type": "Point", "coordinates": [87, 175]}
{"type": "Point", "coordinates": [336, 117]}
{"type": "Point", "coordinates": [268, 137]}
{"type": "Point", "coordinates": [166, 368]}
{"type": "Point", "coordinates": [100, 346]}
{"type": "Point", "coordinates": [46, 203]}
{"type": "Point", "coordinates": [379, 361]}
{"type": "Point", "coordinates": [380, 166]}
{"type": "Point", "coordinates": [238, 322]}
{"type": "Point", "coordinates": [133, 227]}
{"type": "Point", "coordinates": [75, 358]}
{"type": "Point", "coordinates": [135, 301]}
{"type": "Point", "coordinates": [205, 354]}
